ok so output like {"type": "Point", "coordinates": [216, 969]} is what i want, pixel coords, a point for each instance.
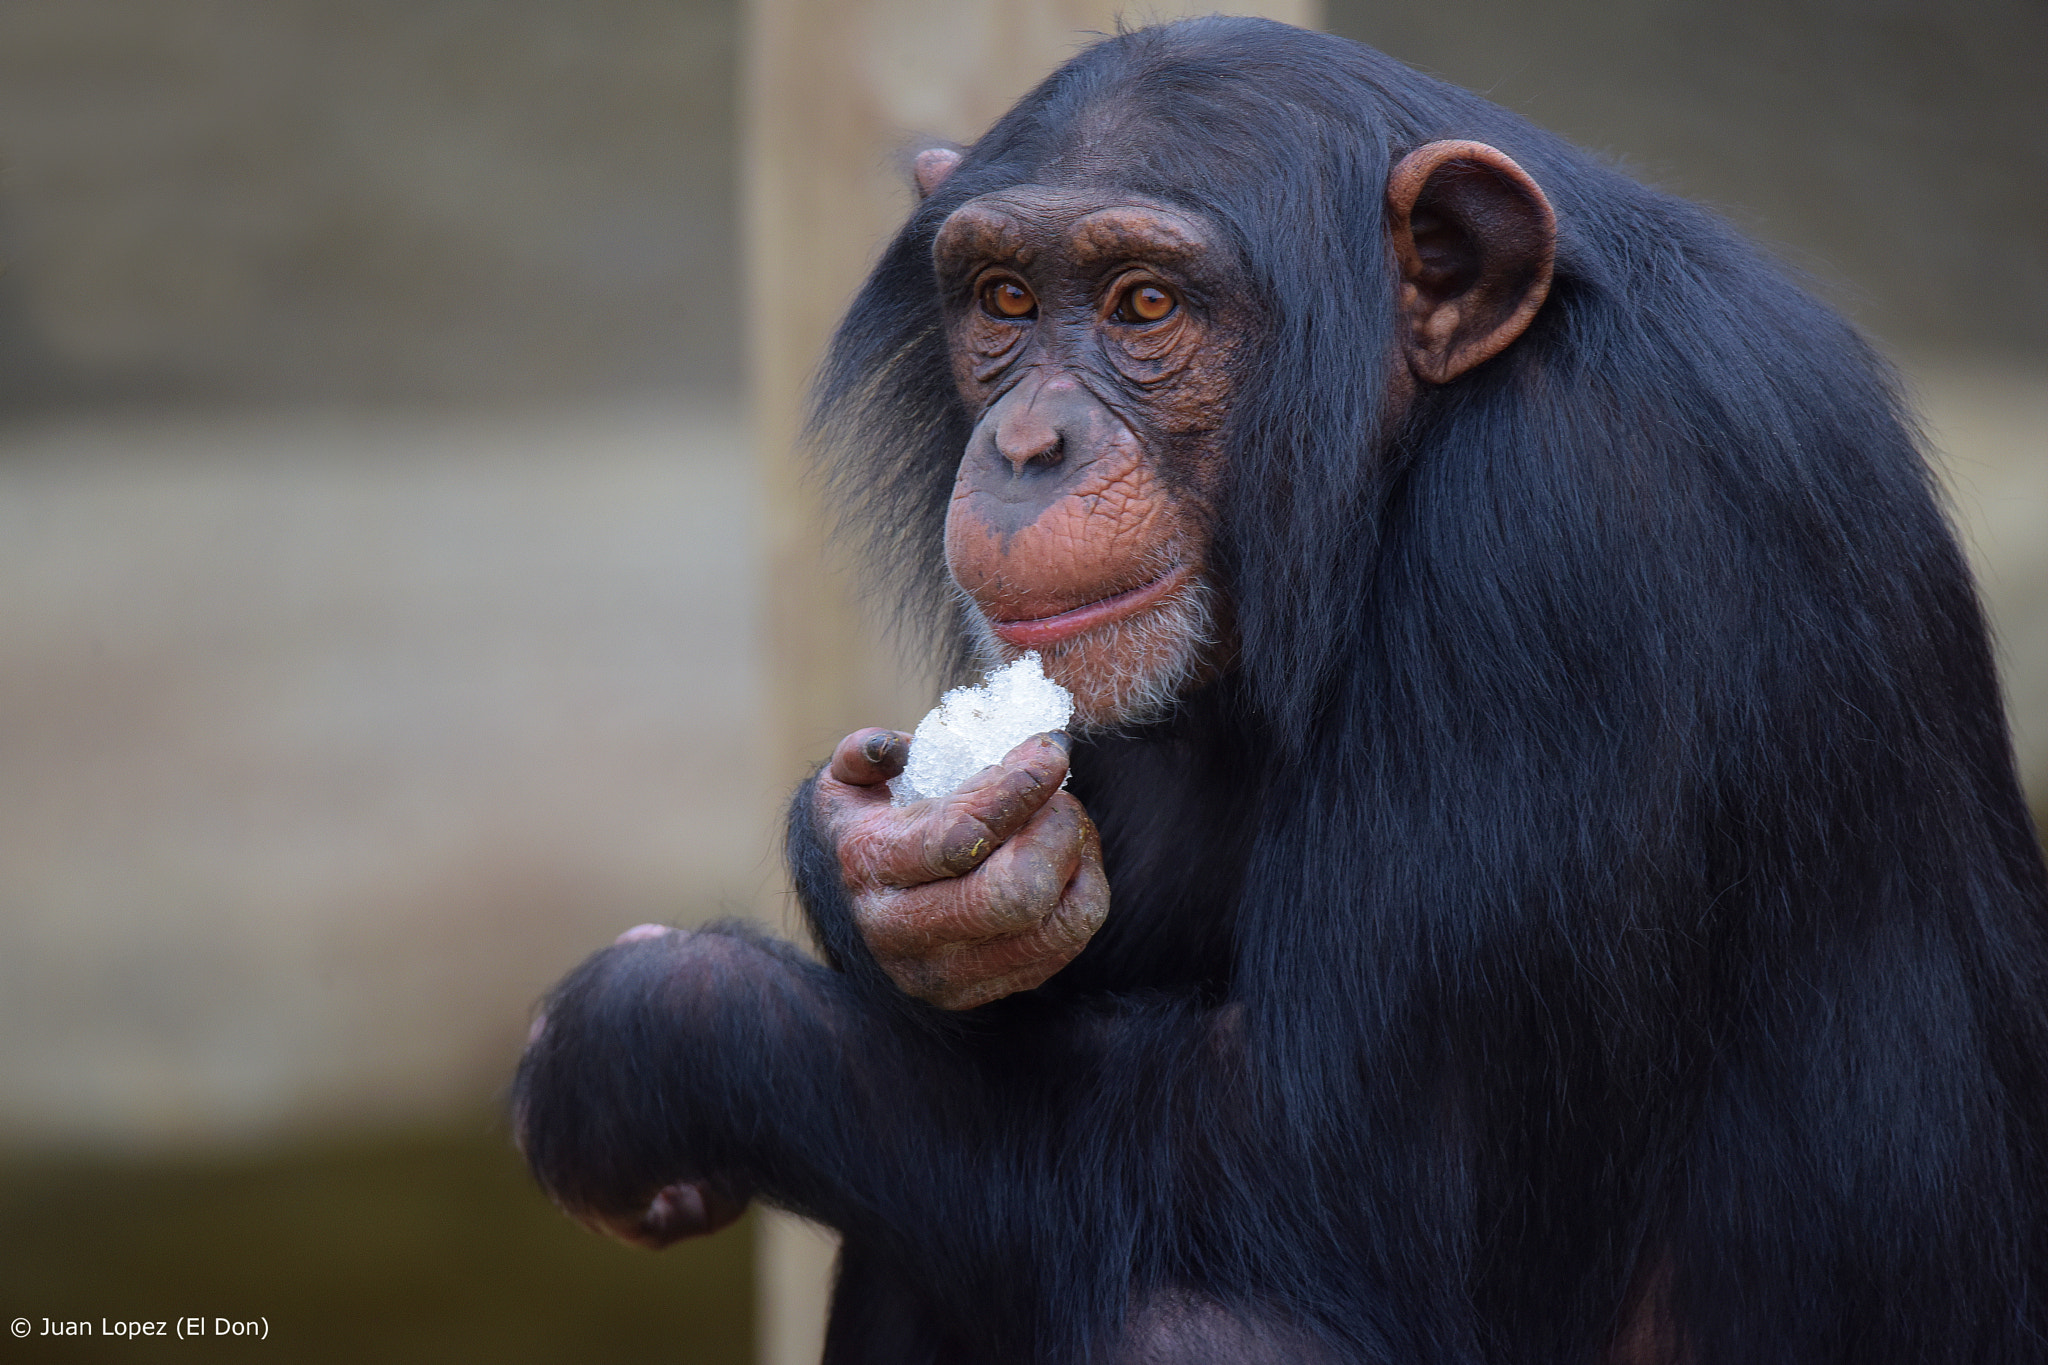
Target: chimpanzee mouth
{"type": "Point", "coordinates": [1048, 630]}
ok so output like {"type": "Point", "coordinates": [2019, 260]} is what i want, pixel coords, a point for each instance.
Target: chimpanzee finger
{"type": "Point", "coordinates": [945, 837]}
{"type": "Point", "coordinates": [1021, 881]}
{"type": "Point", "coordinates": [964, 828]}
{"type": "Point", "coordinates": [974, 974]}
{"type": "Point", "coordinates": [1018, 884]}
{"type": "Point", "coordinates": [868, 757]}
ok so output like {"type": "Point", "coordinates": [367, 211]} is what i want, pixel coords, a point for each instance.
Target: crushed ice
{"type": "Point", "coordinates": [972, 727]}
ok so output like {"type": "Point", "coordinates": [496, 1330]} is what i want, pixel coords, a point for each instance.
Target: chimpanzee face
{"type": "Point", "coordinates": [1098, 338]}
{"type": "Point", "coordinates": [1094, 338]}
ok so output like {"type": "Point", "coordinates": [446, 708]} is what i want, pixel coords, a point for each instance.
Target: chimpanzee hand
{"type": "Point", "coordinates": [600, 1189]}
{"type": "Point", "coordinates": [965, 898]}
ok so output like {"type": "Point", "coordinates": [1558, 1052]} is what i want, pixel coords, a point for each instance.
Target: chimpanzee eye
{"type": "Point", "coordinates": [1144, 303]}
{"type": "Point", "coordinates": [1009, 299]}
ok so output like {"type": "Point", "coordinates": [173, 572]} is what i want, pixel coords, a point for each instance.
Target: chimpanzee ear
{"type": "Point", "coordinates": [1475, 241]}
{"type": "Point", "coordinates": [931, 168]}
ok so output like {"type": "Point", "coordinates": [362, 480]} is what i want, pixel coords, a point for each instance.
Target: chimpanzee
{"type": "Point", "coordinates": [1542, 879]}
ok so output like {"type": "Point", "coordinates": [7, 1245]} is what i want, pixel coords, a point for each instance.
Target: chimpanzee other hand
{"type": "Point", "coordinates": [969, 897]}
{"type": "Point", "coordinates": [655, 1215]}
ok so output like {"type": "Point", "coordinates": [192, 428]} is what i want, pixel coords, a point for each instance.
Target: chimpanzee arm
{"type": "Point", "coordinates": [721, 1061]}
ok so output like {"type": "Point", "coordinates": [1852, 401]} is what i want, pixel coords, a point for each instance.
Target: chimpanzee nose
{"type": "Point", "coordinates": [1028, 431]}
{"type": "Point", "coordinates": [1034, 442]}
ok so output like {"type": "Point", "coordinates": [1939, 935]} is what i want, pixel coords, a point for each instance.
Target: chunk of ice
{"type": "Point", "coordinates": [972, 727]}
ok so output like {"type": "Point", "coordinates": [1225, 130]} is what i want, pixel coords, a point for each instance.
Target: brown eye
{"type": "Point", "coordinates": [1009, 299]}
{"type": "Point", "coordinates": [1146, 303]}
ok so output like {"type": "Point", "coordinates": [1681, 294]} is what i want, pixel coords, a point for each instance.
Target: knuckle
{"type": "Point", "coordinates": [1020, 893]}
{"type": "Point", "coordinates": [1084, 915]}
{"type": "Point", "coordinates": [1004, 793]}
{"type": "Point", "coordinates": [1066, 828]}
{"type": "Point", "coordinates": [963, 845]}
{"type": "Point", "coordinates": [1021, 786]}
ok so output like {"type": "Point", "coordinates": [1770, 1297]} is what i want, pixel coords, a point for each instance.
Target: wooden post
{"type": "Point", "coordinates": [836, 94]}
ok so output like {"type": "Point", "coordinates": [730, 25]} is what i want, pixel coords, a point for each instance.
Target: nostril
{"type": "Point", "coordinates": [1038, 455]}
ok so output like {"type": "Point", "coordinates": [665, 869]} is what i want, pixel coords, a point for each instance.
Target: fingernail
{"type": "Point", "coordinates": [1061, 738]}
{"type": "Point", "coordinates": [877, 748]}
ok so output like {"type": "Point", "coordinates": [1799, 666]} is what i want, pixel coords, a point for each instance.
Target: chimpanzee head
{"type": "Point", "coordinates": [1155, 296]}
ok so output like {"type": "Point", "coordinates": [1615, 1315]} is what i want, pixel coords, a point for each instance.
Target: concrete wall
{"type": "Point", "coordinates": [289, 201]}
{"type": "Point", "coordinates": [327, 745]}
{"type": "Point", "coordinates": [377, 541]}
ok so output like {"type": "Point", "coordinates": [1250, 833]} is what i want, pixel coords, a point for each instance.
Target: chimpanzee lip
{"type": "Point", "coordinates": [1046, 630]}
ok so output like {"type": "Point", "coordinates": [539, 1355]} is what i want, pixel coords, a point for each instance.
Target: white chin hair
{"type": "Point", "coordinates": [1160, 653]}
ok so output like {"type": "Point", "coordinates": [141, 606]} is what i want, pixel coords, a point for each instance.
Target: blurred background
{"type": "Point", "coordinates": [389, 598]}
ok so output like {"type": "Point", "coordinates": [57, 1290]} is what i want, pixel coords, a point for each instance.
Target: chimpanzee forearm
{"type": "Point", "coordinates": [717, 1057]}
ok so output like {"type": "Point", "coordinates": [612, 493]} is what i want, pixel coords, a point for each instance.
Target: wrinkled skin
{"type": "Point", "coordinates": [1079, 524]}
{"type": "Point", "coordinates": [968, 897]}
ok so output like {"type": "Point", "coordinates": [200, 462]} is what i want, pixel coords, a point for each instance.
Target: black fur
{"type": "Point", "coordinates": [1601, 879]}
